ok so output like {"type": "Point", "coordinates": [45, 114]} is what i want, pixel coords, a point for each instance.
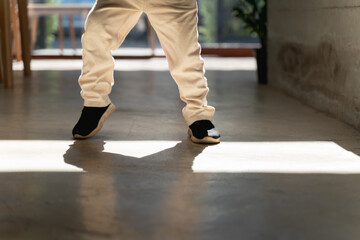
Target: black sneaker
{"type": "Point", "coordinates": [203, 131]}
{"type": "Point", "coordinates": [91, 121]}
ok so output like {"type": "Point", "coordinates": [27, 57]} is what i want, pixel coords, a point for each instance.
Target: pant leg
{"type": "Point", "coordinates": [175, 22]}
{"type": "Point", "coordinates": [106, 27]}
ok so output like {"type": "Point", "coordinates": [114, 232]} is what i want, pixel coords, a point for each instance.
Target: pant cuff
{"type": "Point", "coordinates": [206, 114]}
{"type": "Point", "coordinates": [91, 103]}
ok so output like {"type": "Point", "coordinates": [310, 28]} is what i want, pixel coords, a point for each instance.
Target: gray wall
{"type": "Point", "coordinates": [314, 53]}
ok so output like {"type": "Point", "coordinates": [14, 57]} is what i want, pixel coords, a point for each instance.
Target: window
{"type": "Point", "coordinates": [57, 26]}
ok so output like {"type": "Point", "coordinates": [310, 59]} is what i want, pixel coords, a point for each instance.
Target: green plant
{"type": "Point", "coordinates": [216, 24]}
{"type": "Point", "coordinates": [253, 14]}
{"type": "Point", "coordinates": [208, 31]}
{"type": "Point", "coordinates": [51, 24]}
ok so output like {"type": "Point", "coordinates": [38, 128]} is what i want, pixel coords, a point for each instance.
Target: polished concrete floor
{"type": "Point", "coordinates": [282, 171]}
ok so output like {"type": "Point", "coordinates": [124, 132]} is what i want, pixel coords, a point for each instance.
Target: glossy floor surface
{"type": "Point", "coordinates": [282, 171]}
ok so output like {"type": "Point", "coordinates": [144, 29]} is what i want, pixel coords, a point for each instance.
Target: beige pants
{"type": "Point", "coordinates": [175, 22]}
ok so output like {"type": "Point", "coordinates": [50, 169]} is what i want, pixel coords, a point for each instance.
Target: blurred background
{"type": "Point", "coordinates": [57, 30]}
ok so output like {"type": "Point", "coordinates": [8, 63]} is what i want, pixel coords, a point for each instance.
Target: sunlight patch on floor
{"type": "Point", "coordinates": [232, 157]}
{"type": "Point", "coordinates": [138, 149]}
{"type": "Point", "coordinates": [34, 156]}
{"type": "Point", "coordinates": [48, 155]}
{"type": "Point", "coordinates": [277, 157]}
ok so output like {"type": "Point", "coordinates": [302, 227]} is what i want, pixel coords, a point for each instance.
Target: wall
{"type": "Point", "coordinates": [314, 53]}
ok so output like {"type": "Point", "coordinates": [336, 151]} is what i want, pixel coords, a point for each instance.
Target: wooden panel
{"type": "Point", "coordinates": [25, 36]}
{"type": "Point", "coordinates": [6, 55]}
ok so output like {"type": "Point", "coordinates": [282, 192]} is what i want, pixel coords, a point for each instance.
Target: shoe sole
{"type": "Point", "coordinates": [106, 114]}
{"type": "Point", "coordinates": [205, 140]}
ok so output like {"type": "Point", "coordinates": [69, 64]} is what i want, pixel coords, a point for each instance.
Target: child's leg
{"type": "Point", "coordinates": [105, 29]}
{"type": "Point", "coordinates": [175, 22]}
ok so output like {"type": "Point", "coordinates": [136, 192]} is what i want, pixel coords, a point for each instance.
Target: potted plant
{"type": "Point", "coordinates": [254, 15]}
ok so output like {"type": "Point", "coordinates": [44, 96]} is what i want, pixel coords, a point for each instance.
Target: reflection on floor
{"type": "Point", "coordinates": [283, 170]}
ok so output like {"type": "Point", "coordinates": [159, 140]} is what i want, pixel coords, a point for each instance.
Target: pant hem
{"type": "Point", "coordinates": [96, 104]}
